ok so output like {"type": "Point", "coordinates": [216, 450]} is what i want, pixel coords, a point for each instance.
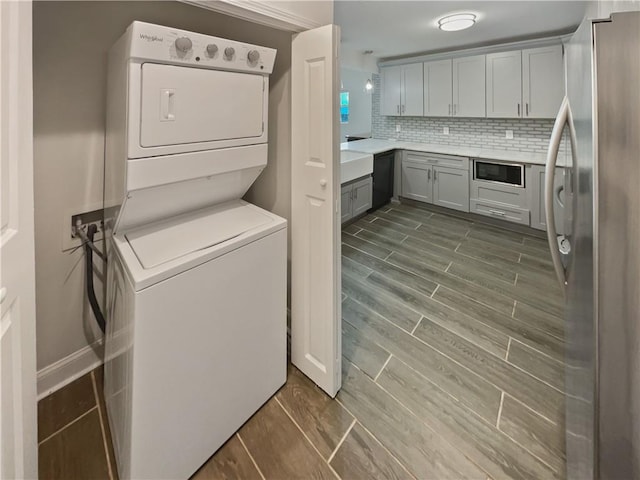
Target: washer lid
{"type": "Point", "coordinates": [161, 242]}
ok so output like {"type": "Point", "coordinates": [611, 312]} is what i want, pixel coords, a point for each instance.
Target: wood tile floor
{"type": "Point", "coordinates": [452, 368]}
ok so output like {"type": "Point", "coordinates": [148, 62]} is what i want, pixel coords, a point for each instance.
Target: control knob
{"type": "Point", "coordinates": [253, 56]}
{"type": "Point", "coordinates": [183, 44]}
{"type": "Point", "coordinates": [229, 52]}
{"type": "Point", "coordinates": [212, 49]}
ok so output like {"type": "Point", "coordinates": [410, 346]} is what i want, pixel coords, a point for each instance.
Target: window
{"type": "Point", "coordinates": [344, 107]}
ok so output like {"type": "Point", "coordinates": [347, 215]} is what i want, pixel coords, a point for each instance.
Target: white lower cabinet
{"type": "Point", "coordinates": [356, 198]}
{"type": "Point", "coordinates": [439, 179]}
{"type": "Point", "coordinates": [536, 181]}
{"type": "Point", "coordinates": [500, 200]}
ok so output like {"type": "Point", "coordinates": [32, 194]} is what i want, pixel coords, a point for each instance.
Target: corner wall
{"type": "Point", "coordinates": [70, 45]}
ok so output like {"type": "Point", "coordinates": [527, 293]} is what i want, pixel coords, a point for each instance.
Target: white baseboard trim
{"type": "Point", "coordinates": [70, 368]}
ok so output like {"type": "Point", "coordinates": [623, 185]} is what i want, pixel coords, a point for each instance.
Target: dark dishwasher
{"type": "Point", "coordinates": [382, 179]}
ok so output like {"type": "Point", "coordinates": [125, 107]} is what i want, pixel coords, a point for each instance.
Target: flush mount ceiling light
{"type": "Point", "coordinates": [459, 21]}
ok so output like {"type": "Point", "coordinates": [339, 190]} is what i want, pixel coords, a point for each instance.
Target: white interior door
{"type": "Point", "coordinates": [18, 440]}
{"type": "Point", "coordinates": [315, 208]}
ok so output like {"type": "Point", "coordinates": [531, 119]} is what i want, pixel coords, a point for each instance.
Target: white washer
{"type": "Point", "coordinates": [196, 277]}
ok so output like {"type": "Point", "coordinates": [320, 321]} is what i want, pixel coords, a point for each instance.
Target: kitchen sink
{"type": "Point", "coordinates": [354, 165]}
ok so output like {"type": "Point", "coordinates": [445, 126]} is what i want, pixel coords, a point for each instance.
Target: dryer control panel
{"type": "Point", "coordinates": [169, 45]}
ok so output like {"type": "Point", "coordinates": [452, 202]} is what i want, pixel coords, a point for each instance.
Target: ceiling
{"type": "Point", "coordinates": [404, 28]}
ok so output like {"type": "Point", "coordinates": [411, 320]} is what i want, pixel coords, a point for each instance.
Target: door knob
{"type": "Point", "coordinates": [323, 183]}
{"type": "Point", "coordinates": [3, 294]}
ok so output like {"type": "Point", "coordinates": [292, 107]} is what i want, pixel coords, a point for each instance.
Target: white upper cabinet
{"type": "Point", "coordinates": [390, 82]}
{"type": "Point", "coordinates": [469, 86]}
{"type": "Point", "coordinates": [411, 94]}
{"type": "Point", "coordinates": [504, 84]}
{"type": "Point", "coordinates": [438, 88]}
{"type": "Point", "coordinates": [542, 81]}
{"type": "Point", "coordinates": [401, 90]}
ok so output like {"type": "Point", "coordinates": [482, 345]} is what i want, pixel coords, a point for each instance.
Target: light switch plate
{"type": "Point", "coordinates": [397, 128]}
{"type": "Point", "coordinates": [509, 134]}
{"type": "Point", "coordinates": [445, 130]}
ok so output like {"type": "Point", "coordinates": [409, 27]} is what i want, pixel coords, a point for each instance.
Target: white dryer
{"type": "Point", "coordinates": [196, 277]}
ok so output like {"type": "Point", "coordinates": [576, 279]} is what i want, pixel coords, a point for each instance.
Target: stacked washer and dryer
{"type": "Point", "coordinates": [196, 277]}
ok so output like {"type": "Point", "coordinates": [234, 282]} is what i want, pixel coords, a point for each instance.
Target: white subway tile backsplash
{"type": "Point", "coordinates": [528, 135]}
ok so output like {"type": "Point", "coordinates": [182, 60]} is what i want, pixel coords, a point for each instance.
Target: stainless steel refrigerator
{"type": "Point", "coordinates": [598, 263]}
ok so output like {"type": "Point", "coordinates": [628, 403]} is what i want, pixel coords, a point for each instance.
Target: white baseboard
{"type": "Point", "coordinates": [70, 368]}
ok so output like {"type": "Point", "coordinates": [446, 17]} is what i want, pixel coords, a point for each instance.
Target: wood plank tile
{"type": "Point", "coordinates": [537, 262]}
{"type": "Point", "coordinates": [538, 435]}
{"type": "Point", "coordinates": [98, 374]}
{"type": "Point", "coordinates": [451, 223]}
{"type": "Point", "coordinates": [480, 441]}
{"type": "Point", "coordinates": [377, 227]}
{"type": "Point", "coordinates": [279, 447]}
{"type": "Point", "coordinates": [393, 272]}
{"type": "Point", "coordinates": [471, 389]}
{"type": "Point", "coordinates": [381, 302]}
{"type": "Point", "coordinates": [490, 298]}
{"type": "Point", "coordinates": [365, 246]}
{"type": "Point", "coordinates": [76, 452]}
{"type": "Point", "coordinates": [361, 351]}
{"type": "Point", "coordinates": [426, 256]}
{"type": "Point", "coordinates": [529, 390]}
{"type": "Point", "coordinates": [529, 334]}
{"type": "Point", "coordinates": [398, 219]}
{"type": "Point", "coordinates": [465, 326]}
{"type": "Point", "coordinates": [421, 235]}
{"type": "Point", "coordinates": [424, 452]}
{"type": "Point", "coordinates": [323, 420]}
{"type": "Point", "coordinates": [354, 268]}
{"type": "Point", "coordinates": [485, 230]}
{"type": "Point", "coordinates": [541, 320]}
{"type": "Point", "coordinates": [361, 456]}
{"type": "Point", "coordinates": [537, 364]}
{"type": "Point", "coordinates": [351, 229]}
{"type": "Point", "coordinates": [493, 254]}
{"type": "Point", "coordinates": [418, 214]}
{"type": "Point", "coordinates": [65, 405]}
{"type": "Point", "coordinates": [230, 462]}
{"type": "Point", "coordinates": [436, 230]}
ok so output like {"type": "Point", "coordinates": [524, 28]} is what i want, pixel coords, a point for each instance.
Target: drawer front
{"type": "Point", "coordinates": [499, 193]}
{"type": "Point", "coordinates": [500, 211]}
{"type": "Point", "coordinates": [450, 161]}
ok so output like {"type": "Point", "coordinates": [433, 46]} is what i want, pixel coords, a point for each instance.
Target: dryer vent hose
{"type": "Point", "coordinates": [88, 251]}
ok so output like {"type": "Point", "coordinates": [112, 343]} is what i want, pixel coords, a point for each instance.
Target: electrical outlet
{"type": "Point", "coordinates": [445, 130]}
{"type": "Point", "coordinates": [509, 134]}
{"type": "Point", "coordinates": [73, 221]}
{"type": "Point", "coordinates": [398, 128]}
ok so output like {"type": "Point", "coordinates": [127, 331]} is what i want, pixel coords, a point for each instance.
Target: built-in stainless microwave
{"type": "Point", "coordinates": [509, 173]}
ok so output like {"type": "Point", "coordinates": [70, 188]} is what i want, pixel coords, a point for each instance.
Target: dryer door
{"type": "Point", "coordinates": [185, 105]}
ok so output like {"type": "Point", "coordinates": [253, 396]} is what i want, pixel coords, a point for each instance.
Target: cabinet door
{"type": "Point", "coordinates": [538, 219]}
{"type": "Point", "coordinates": [542, 81]}
{"type": "Point", "coordinates": [390, 78]}
{"type": "Point", "coordinates": [504, 84]}
{"type": "Point", "coordinates": [345, 203]}
{"type": "Point", "coordinates": [469, 86]}
{"type": "Point", "coordinates": [412, 91]}
{"type": "Point", "coordinates": [416, 181]}
{"type": "Point", "coordinates": [451, 188]}
{"type": "Point", "coordinates": [361, 196]}
{"type": "Point", "coordinates": [437, 88]}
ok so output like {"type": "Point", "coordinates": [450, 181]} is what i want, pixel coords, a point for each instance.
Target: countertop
{"type": "Point", "coordinates": [377, 145]}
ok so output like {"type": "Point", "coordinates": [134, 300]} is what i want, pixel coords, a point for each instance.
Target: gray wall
{"type": "Point", "coordinates": [71, 40]}
{"type": "Point", "coordinates": [528, 135]}
{"type": "Point", "coordinates": [353, 81]}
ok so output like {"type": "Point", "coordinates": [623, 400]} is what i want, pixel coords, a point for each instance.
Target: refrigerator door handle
{"type": "Point", "coordinates": [564, 118]}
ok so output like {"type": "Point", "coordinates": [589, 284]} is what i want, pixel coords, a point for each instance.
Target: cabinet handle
{"type": "Point", "coordinates": [449, 109]}
{"type": "Point", "coordinates": [428, 174]}
{"type": "Point", "coordinates": [434, 175]}
{"type": "Point", "coordinates": [403, 108]}
{"type": "Point", "coordinates": [454, 108]}
{"type": "Point", "coordinates": [518, 109]}
{"type": "Point", "coordinates": [527, 108]}
{"type": "Point", "coordinates": [398, 108]}
{"type": "Point", "coordinates": [497, 212]}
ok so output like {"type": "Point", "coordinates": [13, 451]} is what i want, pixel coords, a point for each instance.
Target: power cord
{"type": "Point", "coordinates": [89, 248]}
